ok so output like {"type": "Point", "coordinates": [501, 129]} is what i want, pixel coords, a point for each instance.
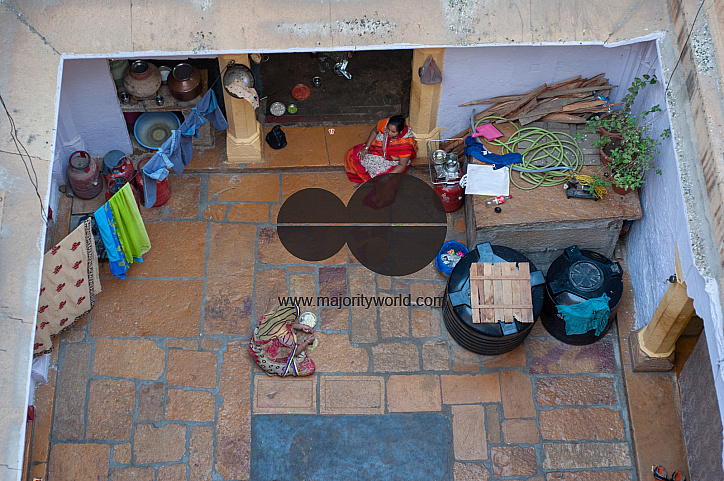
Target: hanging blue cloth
{"type": "Point", "coordinates": [107, 228]}
{"type": "Point", "coordinates": [478, 151]}
{"type": "Point", "coordinates": [177, 151]}
{"type": "Point", "coordinates": [209, 108]}
{"type": "Point", "coordinates": [156, 169]}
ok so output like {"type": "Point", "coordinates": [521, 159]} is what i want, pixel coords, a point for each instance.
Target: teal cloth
{"type": "Point", "coordinates": [591, 314]}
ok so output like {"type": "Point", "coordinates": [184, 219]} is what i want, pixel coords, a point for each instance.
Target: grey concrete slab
{"type": "Point", "coordinates": [329, 448]}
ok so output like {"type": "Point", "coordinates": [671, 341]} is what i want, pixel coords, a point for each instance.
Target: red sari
{"type": "Point", "coordinates": [403, 146]}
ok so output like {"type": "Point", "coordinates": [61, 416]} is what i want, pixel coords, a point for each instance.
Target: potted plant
{"type": "Point", "coordinates": [626, 144]}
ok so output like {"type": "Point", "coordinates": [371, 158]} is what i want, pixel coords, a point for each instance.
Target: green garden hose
{"type": "Point", "coordinates": [564, 156]}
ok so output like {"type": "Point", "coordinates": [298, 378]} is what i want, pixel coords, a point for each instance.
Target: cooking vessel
{"type": "Point", "coordinates": [184, 82]}
{"type": "Point", "coordinates": [142, 80]}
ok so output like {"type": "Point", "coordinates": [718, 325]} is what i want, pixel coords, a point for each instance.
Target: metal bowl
{"type": "Point", "coordinates": [438, 157]}
{"type": "Point", "coordinates": [152, 129]}
{"type": "Point", "coordinates": [277, 109]}
{"type": "Point", "coordinates": [241, 72]}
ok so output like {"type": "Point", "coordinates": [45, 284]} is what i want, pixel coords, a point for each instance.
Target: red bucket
{"type": "Point", "coordinates": [163, 189]}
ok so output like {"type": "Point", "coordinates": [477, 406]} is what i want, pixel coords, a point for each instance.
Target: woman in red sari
{"type": "Point", "coordinates": [390, 149]}
{"type": "Point", "coordinates": [274, 344]}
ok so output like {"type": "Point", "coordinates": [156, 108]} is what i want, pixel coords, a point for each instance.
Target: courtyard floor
{"type": "Point", "coordinates": [156, 383]}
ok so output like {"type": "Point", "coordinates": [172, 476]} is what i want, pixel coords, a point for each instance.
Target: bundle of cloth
{"type": "Point", "coordinates": [122, 231]}
{"type": "Point", "coordinates": [177, 151]}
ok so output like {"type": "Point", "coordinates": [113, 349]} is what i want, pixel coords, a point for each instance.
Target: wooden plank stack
{"type": "Point", "coordinates": [569, 101]}
{"type": "Point", "coordinates": [501, 292]}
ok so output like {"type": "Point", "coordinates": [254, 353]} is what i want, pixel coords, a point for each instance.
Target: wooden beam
{"type": "Point", "coordinates": [658, 339]}
{"type": "Point", "coordinates": [516, 105]}
{"type": "Point", "coordinates": [581, 90]}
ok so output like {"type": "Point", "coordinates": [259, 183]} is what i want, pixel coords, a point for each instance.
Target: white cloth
{"type": "Point", "coordinates": [483, 180]}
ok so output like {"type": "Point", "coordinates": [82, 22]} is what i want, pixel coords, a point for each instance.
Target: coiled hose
{"type": "Point", "coordinates": [564, 156]}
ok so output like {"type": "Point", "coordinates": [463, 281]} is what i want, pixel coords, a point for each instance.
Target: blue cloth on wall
{"type": "Point", "coordinates": [478, 151]}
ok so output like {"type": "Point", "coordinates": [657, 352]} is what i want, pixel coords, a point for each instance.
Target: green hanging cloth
{"type": "Point", "coordinates": [129, 225]}
{"type": "Point", "coordinates": [591, 314]}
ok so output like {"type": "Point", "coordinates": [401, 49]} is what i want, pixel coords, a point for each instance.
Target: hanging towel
{"type": "Point", "coordinates": [209, 108]}
{"type": "Point", "coordinates": [107, 227]}
{"type": "Point", "coordinates": [588, 315]}
{"type": "Point", "coordinates": [478, 150]}
{"type": "Point", "coordinates": [122, 231]}
{"type": "Point", "coordinates": [69, 285]}
{"type": "Point", "coordinates": [177, 152]}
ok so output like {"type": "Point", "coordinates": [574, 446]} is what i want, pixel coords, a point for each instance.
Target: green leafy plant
{"type": "Point", "coordinates": [627, 140]}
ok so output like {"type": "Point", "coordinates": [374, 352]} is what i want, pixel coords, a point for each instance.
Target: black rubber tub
{"type": "Point", "coordinates": [486, 338]}
{"type": "Point", "coordinates": [574, 277]}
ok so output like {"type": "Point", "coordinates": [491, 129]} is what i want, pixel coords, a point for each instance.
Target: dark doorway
{"type": "Point", "coordinates": [379, 87]}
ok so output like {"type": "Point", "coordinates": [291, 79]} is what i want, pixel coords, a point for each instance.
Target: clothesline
{"type": "Point", "coordinates": [177, 151]}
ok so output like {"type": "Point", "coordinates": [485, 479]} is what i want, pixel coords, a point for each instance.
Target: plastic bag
{"type": "Point", "coordinates": [429, 72]}
{"type": "Point", "coordinates": [276, 138]}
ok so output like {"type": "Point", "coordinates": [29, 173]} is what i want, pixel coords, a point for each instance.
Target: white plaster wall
{"type": "Point", "coordinates": [483, 72]}
{"type": "Point", "coordinates": [90, 109]}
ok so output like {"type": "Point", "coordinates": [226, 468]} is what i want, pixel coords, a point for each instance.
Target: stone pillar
{"type": "Point", "coordinates": [243, 139]}
{"type": "Point", "coordinates": [424, 100]}
{"type": "Point", "coordinates": [652, 348]}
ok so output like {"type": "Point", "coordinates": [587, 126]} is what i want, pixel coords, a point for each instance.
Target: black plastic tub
{"type": "Point", "coordinates": [574, 277]}
{"type": "Point", "coordinates": [486, 338]}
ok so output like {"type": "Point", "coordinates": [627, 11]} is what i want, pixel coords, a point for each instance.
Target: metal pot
{"type": "Point", "coordinates": [142, 80]}
{"type": "Point", "coordinates": [184, 82]}
{"type": "Point", "coordinates": [241, 72]}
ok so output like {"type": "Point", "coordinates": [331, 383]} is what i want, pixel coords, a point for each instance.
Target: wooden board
{"type": "Point", "coordinates": [500, 292]}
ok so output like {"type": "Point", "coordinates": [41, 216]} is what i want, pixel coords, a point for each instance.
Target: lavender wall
{"type": "Point", "coordinates": [471, 73]}
{"type": "Point", "coordinates": [89, 113]}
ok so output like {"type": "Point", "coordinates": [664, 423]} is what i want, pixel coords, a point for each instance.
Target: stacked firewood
{"type": "Point", "coordinates": [571, 101]}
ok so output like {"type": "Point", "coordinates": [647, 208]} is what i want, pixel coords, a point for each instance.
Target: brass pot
{"type": "Point", "coordinates": [142, 80]}
{"type": "Point", "coordinates": [184, 81]}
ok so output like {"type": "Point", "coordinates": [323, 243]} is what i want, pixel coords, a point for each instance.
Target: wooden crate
{"type": "Point", "coordinates": [501, 292]}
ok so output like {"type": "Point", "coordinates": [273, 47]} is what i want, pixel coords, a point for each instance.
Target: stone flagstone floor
{"type": "Point", "coordinates": [157, 382]}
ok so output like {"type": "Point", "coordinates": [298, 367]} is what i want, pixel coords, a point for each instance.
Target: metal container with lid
{"type": "Point", "coordinates": [184, 82]}
{"type": "Point", "coordinates": [574, 277]}
{"type": "Point", "coordinates": [142, 80]}
{"type": "Point", "coordinates": [487, 338]}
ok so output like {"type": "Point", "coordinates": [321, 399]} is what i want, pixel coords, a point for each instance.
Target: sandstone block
{"type": "Point", "coordinates": [469, 437]}
{"type": "Point", "coordinates": [158, 445]}
{"type": "Point", "coordinates": [351, 395]}
{"type": "Point", "coordinates": [395, 357]}
{"type": "Point", "coordinates": [470, 389]}
{"type": "Point", "coordinates": [413, 393]}
{"type": "Point", "coordinates": [129, 358]}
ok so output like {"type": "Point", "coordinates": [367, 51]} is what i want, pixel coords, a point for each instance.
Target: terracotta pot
{"type": "Point", "coordinates": [184, 81]}
{"type": "Point", "coordinates": [142, 80]}
{"type": "Point", "coordinates": [621, 190]}
{"type": "Point", "coordinates": [613, 135]}
{"type": "Point", "coordinates": [605, 159]}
